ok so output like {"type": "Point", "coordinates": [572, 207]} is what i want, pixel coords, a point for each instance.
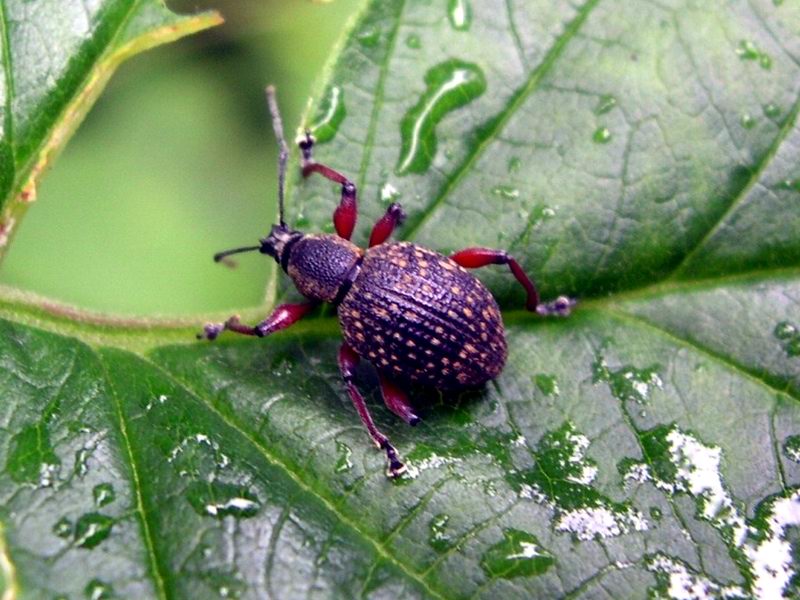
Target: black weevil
{"type": "Point", "coordinates": [418, 316]}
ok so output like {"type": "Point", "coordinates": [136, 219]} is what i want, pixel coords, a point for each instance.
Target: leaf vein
{"type": "Point", "coordinates": [342, 517]}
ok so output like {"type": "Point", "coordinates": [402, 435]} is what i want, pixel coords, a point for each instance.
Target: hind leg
{"type": "Point", "coordinates": [348, 361]}
{"type": "Point", "coordinates": [397, 401]}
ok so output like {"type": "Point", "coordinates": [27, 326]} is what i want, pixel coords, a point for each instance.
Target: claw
{"type": "Point", "coordinates": [211, 331]}
{"type": "Point", "coordinates": [560, 307]}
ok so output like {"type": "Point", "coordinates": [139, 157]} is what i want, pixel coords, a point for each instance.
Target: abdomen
{"type": "Point", "coordinates": [420, 317]}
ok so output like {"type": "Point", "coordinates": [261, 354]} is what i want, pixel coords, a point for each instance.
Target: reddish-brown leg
{"type": "Point", "coordinates": [348, 361]}
{"type": "Point", "coordinates": [282, 317]}
{"type": "Point", "coordinates": [473, 258]}
{"type": "Point", "coordinates": [393, 216]}
{"type": "Point", "coordinates": [346, 214]}
{"type": "Point", "coordinates": [397, 401]}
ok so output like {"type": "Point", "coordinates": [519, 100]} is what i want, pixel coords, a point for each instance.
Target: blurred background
{"type": "Point", "coordinates": [176, 161]}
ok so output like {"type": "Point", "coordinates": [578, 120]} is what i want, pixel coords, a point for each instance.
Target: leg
{"type": "Point", "coordinates": [386, 224]}
{"type": "Point", "coordinates": [345, 215]}
{"type": "Point", "coordinates": [282, 317]}
{"type": "Point", "coordinates": [472, 258]}
{"type": "Point", "coordinates": [397, 401]}
{"type": "Point", "coordinates": [348, 361]}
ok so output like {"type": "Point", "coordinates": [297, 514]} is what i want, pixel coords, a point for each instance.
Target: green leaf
{"type": "Point", "coordinates": [56, 58]}
{"type": "Point", "coordinates": [641, 156]}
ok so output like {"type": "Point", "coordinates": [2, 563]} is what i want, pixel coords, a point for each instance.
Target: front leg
{"type": "Point", "coordinates": [282, 317]}
{"type": "Point", "coordinates": [346, 214]}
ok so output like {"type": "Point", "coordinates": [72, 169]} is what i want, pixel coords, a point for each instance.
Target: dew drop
{"type": "Point", "coordinates": [771, 110]}
{"type": "Point", "coordinates": [547, 384]}
{"type": "Point", "coordinates": [91, 529]}
{"type": "Point", "coordinates": [789, 336]}
{"type": "Point", "coordinates": [81, 467]}
{"type": "Point", "coordinates": [605, 104]}
{"type": "Point", "coordinates": [413, 42]}
{"type": "Point", "coordinates": [747, 121]}
{"type": "Point", "coordinates": [747, 50]}
{"type": "Point", "coordinates": [514, 164]}
{"type": "Point", "coordinates": [330, 114]}
{"type": "Point", "coordinates": [302, 221]}
{"type": "Point", "coordinates": [343, 462]}
{"type": "Point", "coordinates": [98, 590]}
{"type": "Point", "coordinates": [519, 555]}
{"type": "Point", "coordinates": [389, 194]}
{"type": "Point", "coordinates": [765, 61]}
{"type": "Point", "coordinates": [439, 538]}
{"type": "Point", "coordinates": [602, 135]}
{"type": "Point", "coordinates": [219, 500]}
{"type": "Point", "coordinates": [63, 527]}
{"type": "Point", "coordinates": [791, 448]}
{"type": "Point", "coordinates": [31, 458]}
{"type": "Point", "coordinates": [790, 184]}
{"type": "Point", "coordinates": [369, 38]}
{"type": "Point", "coordinates": [505, 191]}
{"type": "Point", "coordinates": [655, 513]}
{"type": "Point", "coordinates": [103, 494]}
{"type": "Point", "coordinates": [460, 14]}
{"type": "Point", "coordinates": [449, 85]}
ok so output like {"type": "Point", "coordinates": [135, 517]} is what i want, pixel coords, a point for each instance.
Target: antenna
{"type": "Point", "coordinates": [221, 256]}
{"type": "Point", "coordinates": [277, 126]}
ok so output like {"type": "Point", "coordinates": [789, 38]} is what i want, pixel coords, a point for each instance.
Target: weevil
{"type": "Point", "coordinates": [418, 316]}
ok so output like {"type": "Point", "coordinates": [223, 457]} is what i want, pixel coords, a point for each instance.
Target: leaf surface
{"type": "Point", "coordinates": [642, 156]}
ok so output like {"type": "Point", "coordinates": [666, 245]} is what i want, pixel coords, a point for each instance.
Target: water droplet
{"type": "Point", "coordinates": [460, 14]}
{"type": "Point", "coordinates": [91, 529]}
{"type": "Point", "coordinates": [790, 184]}
{"type": "Point", "coordinates": [561, 479]}
{"type": "Point", "coordinates": [747, 121]}
{"type": "Point", "coordinates": [601, 135]}
{"type": "Point", "coordinates": [519, 555]}
{"type": "Point", "coordinates": [655, 513]}
{"type": "Point", "coordinates": [449, 85]}
{"type": "Point", "coordinates": [505, 191]}
{"type": "Point", "coordinates": [98, 590]}
{"type": "Point", "coordinates": [302, 221]}
{"type": "Point", "coordinates": [343, 463]}
{"type": "Point", "coordinates": [81, 467]}
{"type": "Point", "coordinates": [369, 38]}
{"type": "Point", "coordinates": [765, 61]}
{"type": "Point", "coordinates": [547, 384]}
{"type": "Point", "coordinates": [514, 164]}
{"type": "Point", "coordinates": [31, 458]}
{"type": "Point", "coordinates": [63, 527]}
{"type": "Point", "coordinates": [791, 448]}
{"type": "Point", "coordinates": [789, 335]}
{"type": "Point", "coordinates": [747, 50]}
{"type": "Point", "coordinates": [219, 500]}
{"type": "Point", "coordinates": [103, 494]}
{"type": "Point", "coordinates": [771, 110]}
{"type": "Point", "coordinates": [413, 41]}
{"type": "Point", "coordinates": [330, 114]}
{"type": "Point", "coordinates": [389, 194]}
{"type": "Point", "coordinates": [438, 538]}
{"type": "Point", "coordinates": [605, 104]}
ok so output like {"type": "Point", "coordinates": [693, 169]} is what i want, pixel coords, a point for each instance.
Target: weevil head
{"type": "Point", "coordinates": [279, 242]}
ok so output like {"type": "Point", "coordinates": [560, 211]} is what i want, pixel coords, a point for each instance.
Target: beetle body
{"type": "Point", "coordinates": [418, 316]}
